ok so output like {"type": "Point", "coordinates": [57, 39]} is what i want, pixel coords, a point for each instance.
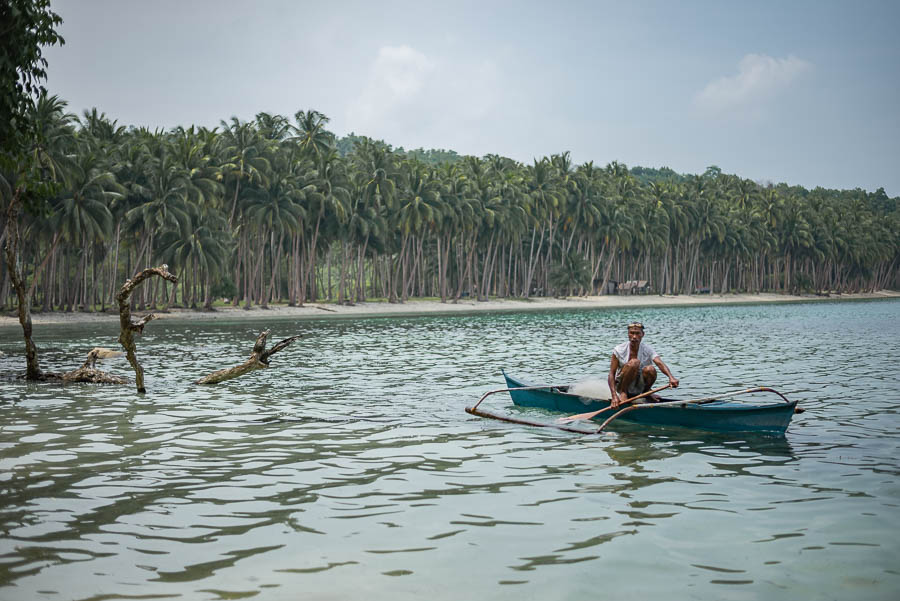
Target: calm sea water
{"type": "Point", "coordinates": [350, 470]}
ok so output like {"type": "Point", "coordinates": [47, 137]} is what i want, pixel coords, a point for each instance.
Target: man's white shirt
{"type": "Point", "coordinates": [646, 354]}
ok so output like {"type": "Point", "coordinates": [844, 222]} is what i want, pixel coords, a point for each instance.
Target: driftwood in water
{"type": "Point", "coordinates": [100, 352]}
{"type": "Point", "coordinates": [89, 373]}
{"type": "Point", "coordinates": [259, 359]}
{"type": "Point", "coordinates": [130, 326]}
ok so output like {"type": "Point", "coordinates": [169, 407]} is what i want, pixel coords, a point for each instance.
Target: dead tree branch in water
{"type": "Point", "coordinates": [129, 326]}
{"type": "Point", "coordinates": [259, 359]}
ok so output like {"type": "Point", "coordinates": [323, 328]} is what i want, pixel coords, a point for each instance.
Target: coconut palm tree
{"type": "Point", "coordinates": [311, 135]}
{"type": "Point", "coordinates": [203, 178]}
{"type": "Point", "coordinates": [327, 197]}
{"type": "Point", "coordinates": [168, 186]}
{"type": "Point", "coordinates": [419, 212]}
{"type": "Point", "coordinates": [794, 235]}
{"type": "Point", "coordinates": [274, 211]}
{"type": "Point", "coordinates": [201, 253]}
{"type": "Point", "coordinates": [44, 164]}
{"type": "Point", "coordinates": [574, 271]}
{"type": "Point", "coordinates": [53, 142]}
{"type": "Point", "coordinates": [242, 159]}
{"type": "Point", "coordinates": [274, 128]}
{"type": "Point", "coordinates": [82, 216]}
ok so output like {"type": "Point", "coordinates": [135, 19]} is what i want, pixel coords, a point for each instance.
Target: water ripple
{"type": "Point", "coordinates": [350, 465]}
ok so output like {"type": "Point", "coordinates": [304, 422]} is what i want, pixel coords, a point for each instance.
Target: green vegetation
{"type": "Point", "coordinates": [270, 211]}
{"type": "Point", "coordinates": [29, 173]}
{"type": "Point", "coordinates": [279, 210]}
{"type": "Point", "coordinates": [25, 26]}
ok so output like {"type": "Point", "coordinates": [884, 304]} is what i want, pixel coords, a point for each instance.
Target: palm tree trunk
{"type": "Point", "coordinates": [278, 251]}
{"type": "Point", "coordinates": [23, 295]}
{"type": "Point", "coordinates": [724, 288]}
{"type": "Point", "coordinates": [50, 277]}
{"type": "Point", "coordinates": [208, 299]}
{"type": "Point", "coordinates": [256, 278]}
{"type": "Point", "coordinates": [115, 266]}
{"type": "Point", "coordinates": [361, 272]}
{"type": "Point", "coordinates": [444, 267]}
{"type": "Point", "coordinates": [234, 203]}
{"type": "Point", "coordinates": [342, 274]}
{"type": "Point", "coordinates": [294, 270]}
{"type": "Point", "coordinates": [532, 261]}
{"type": "Point", "coordinates": [311, 259]}
{"type": "Point", "coordinates": [486, 272]}
{"type": "Point", "coordinates": [398, 277]}
{"type": "Point", "coordinates": [239, 258]}
{"type": "Point", "coordinates": [787, 272]}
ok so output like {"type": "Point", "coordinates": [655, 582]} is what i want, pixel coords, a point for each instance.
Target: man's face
{"type": "Point", "coordinates": [635, 335]}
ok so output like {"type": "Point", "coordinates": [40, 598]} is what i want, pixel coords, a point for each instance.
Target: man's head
{"type": "Point", "coordinates": [635, 331]}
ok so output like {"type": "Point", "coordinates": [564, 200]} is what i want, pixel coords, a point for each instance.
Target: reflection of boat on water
{"type": "Point", "coordinates": [715, 415]}
{"type": "Point", "coordinates": [633, 446]}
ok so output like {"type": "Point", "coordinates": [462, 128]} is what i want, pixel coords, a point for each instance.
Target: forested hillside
{"type": "Point", "coordinates": [279, 210]}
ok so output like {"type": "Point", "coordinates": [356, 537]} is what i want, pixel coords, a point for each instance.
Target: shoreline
{"type": "Point", "coordinates": [435, 307]}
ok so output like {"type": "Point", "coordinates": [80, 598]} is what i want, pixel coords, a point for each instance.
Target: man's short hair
{"type": "Point", "coordinates": [636, 324]}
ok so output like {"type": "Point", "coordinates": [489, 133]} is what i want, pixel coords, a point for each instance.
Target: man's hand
{"type": "Point", "coordinates": [616, 401]}
{"type": "Point", "coordinates": [673, 382]}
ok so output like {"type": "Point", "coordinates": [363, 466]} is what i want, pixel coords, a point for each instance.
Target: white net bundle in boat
{"type": "Point", "coordinates": [592, 388]}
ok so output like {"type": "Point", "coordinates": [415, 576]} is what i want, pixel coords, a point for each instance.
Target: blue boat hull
{"type": "Point", "coordinates": [719, 416]}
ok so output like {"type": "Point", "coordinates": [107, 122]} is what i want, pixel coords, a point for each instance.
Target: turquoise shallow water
{"type": "Point", "coordinates": [350, 469]}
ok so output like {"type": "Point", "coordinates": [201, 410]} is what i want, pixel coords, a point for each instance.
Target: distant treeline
{"type": "Point", "coordinates": [279, 210]}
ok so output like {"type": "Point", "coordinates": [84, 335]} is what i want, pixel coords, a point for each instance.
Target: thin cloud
{"type": "Point", "coordinates": [396, 80]}
{"type": "Point", "coordinates": [759, 78]}
{"type": "Point", "coordinates": [413, 99]}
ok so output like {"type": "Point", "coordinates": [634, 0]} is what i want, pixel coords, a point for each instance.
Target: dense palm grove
{"type": "Point", "coordinates": [278, 210]}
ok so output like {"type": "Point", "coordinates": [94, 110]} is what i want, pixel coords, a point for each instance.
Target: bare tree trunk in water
{"type": "Point", "coordinates": [128, 326]}
{"type": "Point", "coordinates": [24, 295]}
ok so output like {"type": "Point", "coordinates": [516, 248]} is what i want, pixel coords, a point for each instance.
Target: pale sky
{"type": "Point", "coordinates": [802, 92]}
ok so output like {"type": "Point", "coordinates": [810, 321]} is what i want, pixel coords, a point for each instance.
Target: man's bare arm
{"type": "Point", "coordinates": [665, 369]}
{"type": "Point", "coordinates": [613, 368]}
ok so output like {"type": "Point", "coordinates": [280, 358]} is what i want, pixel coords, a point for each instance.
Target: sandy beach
{"type": "Point", "coordinates": [427, 307]}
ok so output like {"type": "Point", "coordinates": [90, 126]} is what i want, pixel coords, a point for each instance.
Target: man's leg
{"type": "Point", "coordinates": [649, 375]}
{"type": "Point", "coordinates": [629, 375]}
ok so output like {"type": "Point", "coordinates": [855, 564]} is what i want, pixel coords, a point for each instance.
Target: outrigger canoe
{"type": "Point", "coordinates": [710, 414]}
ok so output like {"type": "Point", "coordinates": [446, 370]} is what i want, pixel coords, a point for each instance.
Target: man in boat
{"type": "Point", "coordinates": [631, 370]}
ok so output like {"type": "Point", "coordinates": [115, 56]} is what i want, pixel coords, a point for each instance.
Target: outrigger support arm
{"type": "Point", "coordinates": [526, 422]}
{"type": "Point", "coordinates": [490, 392]}
{"type": "Point", "coordinates": [474, 410]}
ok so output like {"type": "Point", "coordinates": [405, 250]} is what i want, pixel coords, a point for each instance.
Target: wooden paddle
{"type": "Point", "coordinates": [592, 414]}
